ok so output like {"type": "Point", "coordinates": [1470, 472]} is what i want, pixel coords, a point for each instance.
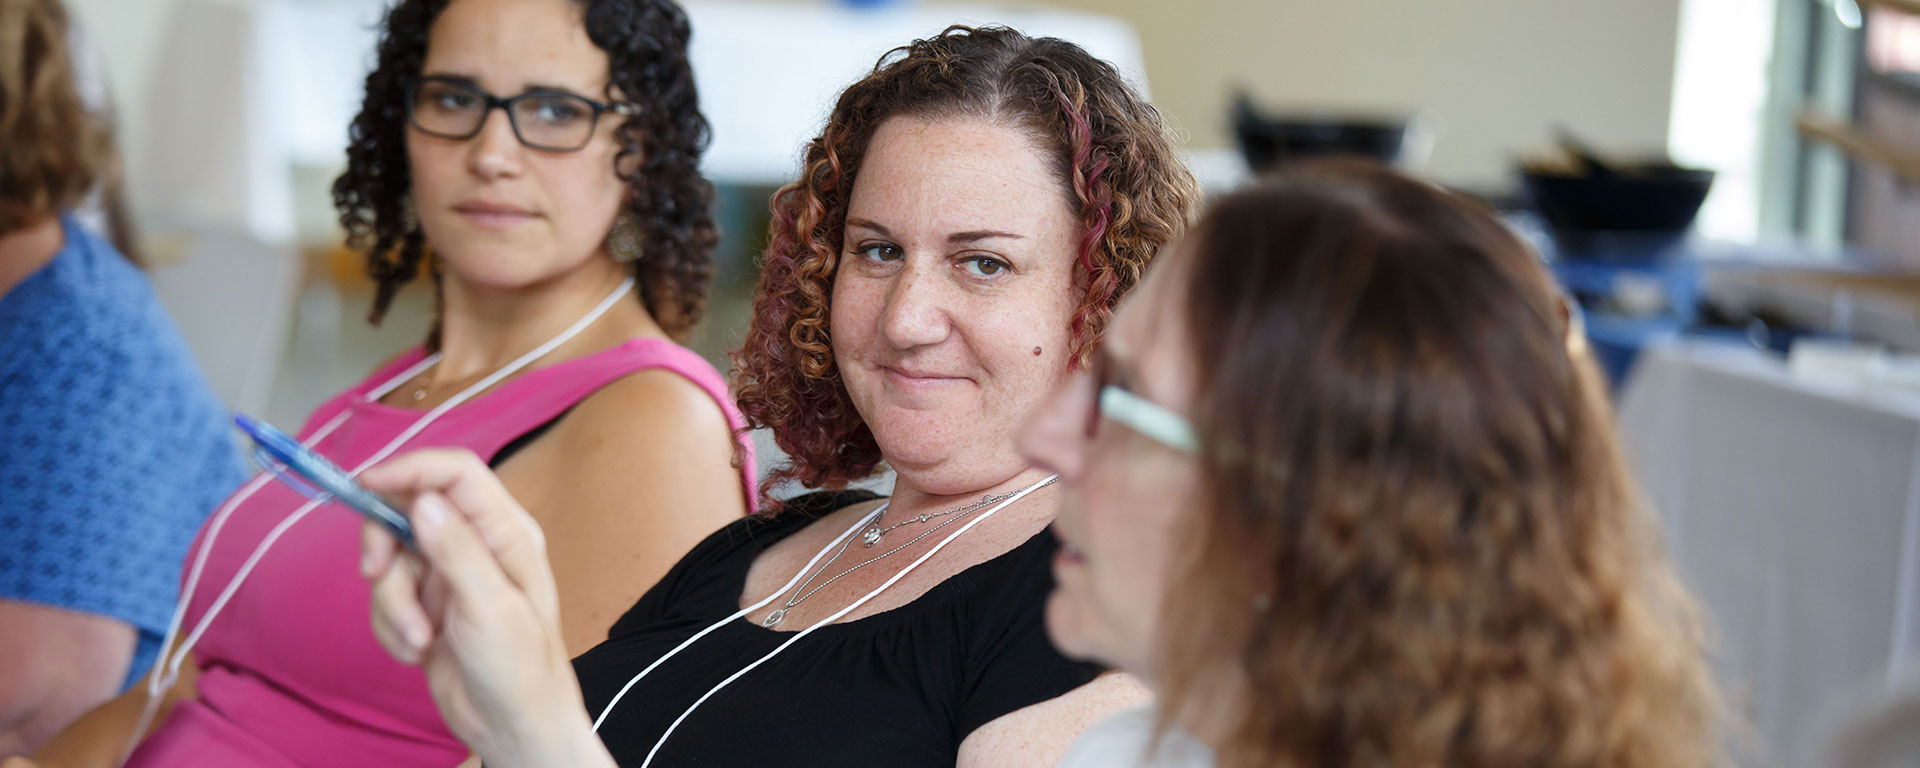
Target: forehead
{"type": "Point", "coordinates": [954, 174]}
{"type": "Point", "coordinates": [510, 45]}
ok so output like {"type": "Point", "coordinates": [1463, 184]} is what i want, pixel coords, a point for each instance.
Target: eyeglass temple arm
{"type": "Point", "coordinates": [1150, 419]}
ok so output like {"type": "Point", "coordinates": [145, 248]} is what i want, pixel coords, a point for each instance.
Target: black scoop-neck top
{"type": "Point", "coordinates": [902, 687]}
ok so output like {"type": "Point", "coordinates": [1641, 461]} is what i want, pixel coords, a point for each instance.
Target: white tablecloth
{"type": "Point", "coordinates": [1792, 509]}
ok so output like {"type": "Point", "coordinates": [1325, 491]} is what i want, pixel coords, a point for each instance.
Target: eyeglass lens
{"type": "Point", "coordinates": [1098, 372]}
{"type": "Point", "coordinates": [543, 120]}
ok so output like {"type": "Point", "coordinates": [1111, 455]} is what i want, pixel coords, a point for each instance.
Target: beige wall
{"type": "Point", "coordinates": [1501, 72]}
{"type": "Point", "coordinates": [126, 36]}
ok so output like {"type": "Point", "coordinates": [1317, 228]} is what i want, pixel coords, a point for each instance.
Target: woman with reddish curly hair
{"type": "Point", "coordinates": [959, 236]}
{"type": "Point", "coordinates": [1342, 487]}
{"type": "Point", "coordinates": [1115, 166]}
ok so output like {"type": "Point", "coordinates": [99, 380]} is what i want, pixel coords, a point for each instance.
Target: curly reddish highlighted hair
{"type": "Point", "coordinates": [1111, 152]}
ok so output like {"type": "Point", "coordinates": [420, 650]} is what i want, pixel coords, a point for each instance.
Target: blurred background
{"type": "Point", "coordinates": [1727, 187]}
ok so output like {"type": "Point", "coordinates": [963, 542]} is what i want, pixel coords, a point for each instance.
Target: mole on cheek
{"type": "Point", "coordinates": [1036, 351]}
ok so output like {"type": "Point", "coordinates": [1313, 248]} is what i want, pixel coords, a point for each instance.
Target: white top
{"type": "Point", "coordinates": [1121, 741]}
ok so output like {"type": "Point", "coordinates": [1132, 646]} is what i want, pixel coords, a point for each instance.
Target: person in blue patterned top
{"type": "Point", "coordinates": [112, 448]}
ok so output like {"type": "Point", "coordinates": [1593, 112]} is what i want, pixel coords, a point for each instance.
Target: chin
{"type": "Point", "coordinates": [918, 449]}
{"type": "Point", "coordinates": [501, 271]}
{"type": "Point", "coordinates": [1066, 628]}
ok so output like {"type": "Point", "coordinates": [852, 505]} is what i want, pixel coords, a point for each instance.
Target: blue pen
{"type": "Point", "coordinates": [328, 478]}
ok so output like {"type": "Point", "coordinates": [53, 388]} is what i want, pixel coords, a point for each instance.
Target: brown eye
{"type": "Point", "coordinates": [879, 252]}
{"type": "Point", "coordinates": [984, 266]}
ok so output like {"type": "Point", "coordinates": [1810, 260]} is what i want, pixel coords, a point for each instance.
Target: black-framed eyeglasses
{"type": "Point", "coordinates": [543, 119]}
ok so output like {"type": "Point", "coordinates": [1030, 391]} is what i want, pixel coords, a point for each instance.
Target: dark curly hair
{"type": "Point", "coordinates": [646, 45]}
{"type": "Point", "coordinates": [1111, 152]}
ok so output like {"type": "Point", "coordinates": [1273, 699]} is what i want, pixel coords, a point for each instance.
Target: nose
{"type": "Point", "coordinates": [915, 315]}
{"type": "Point", "coordinates": [495, 152]}
{"type": "Point", "coordinates": [1054, 436]}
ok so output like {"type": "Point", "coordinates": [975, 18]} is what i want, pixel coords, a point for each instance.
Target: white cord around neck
{"type": "Point", "coordinates": [742, 613]}
{"type": "Point", "coordinates": [166, 668]}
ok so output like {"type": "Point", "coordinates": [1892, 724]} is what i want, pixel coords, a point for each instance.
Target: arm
{"type": "Point", "coordinates": [98, 738]}
{"type": "Point", "coordinates": [623, 486]}
{"type": "Point", "coordinates": [55, 664]}
{"type": "Point", "coordinates": [476, 608]}
{"type": "Point", "coordinates": [1039, 736]}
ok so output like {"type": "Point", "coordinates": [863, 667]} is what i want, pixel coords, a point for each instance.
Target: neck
{"type": "Point", "coordinates": [1212, 719]}
{"type": "Point", "coordinates": [25, 250]}
{"type": "Point", "coordinates": [483, 328]}
{"type": "Point", "coordinates": [909, 499]}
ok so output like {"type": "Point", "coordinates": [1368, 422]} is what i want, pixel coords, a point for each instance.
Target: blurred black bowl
{"type": "Point", "coordinates": [1651, 199]}
{"type": "Point", "coordinates": [1268, 142]}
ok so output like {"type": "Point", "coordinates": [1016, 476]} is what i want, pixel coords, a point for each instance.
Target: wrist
{"type": "Point", "coordinates": [554, 733]}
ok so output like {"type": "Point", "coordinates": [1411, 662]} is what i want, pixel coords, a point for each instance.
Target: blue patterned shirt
{"type": "Point", "coordinates": [112, 449]}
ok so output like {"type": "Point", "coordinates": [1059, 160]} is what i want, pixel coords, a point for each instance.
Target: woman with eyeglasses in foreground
{"type": "Point", "coordinates": [1342, 487]}
{"type": "Point", "coordinates": [566, 236]}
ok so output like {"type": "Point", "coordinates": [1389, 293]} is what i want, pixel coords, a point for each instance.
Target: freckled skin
{"type": "Point", "coordinates": [946, 345]}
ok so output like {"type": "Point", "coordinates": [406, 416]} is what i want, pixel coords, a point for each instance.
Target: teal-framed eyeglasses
{"type": "Point", "coordinates": [1113, 400]}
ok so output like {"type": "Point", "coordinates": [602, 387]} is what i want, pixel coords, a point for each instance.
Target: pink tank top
{"type": "Point", "coordinates": [290, 673]}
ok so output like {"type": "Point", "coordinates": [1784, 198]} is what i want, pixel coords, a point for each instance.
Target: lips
{"type": "Point", "coordinates": [918, 378]}
{"type": "Point", "coordinates": [492, 215]}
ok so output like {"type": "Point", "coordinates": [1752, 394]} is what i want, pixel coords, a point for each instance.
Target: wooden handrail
{"type": "Point", "coordinates": [1860, 145]}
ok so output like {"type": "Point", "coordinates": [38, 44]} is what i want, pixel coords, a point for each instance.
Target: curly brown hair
{"type": "Point", "coordinates": [646, 46]}
{"type": "Point", "coordinates": [1111, 151]}
{"type": "Point", "coordinates": [52, 148]}
{"type": "Point", "coordinates": [1420, 546]}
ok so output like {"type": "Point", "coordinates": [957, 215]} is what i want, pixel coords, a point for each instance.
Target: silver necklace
{"type": "Point", "coordinates": [955, 515]}
{"type": "Point", "coordinates": [872, 534]}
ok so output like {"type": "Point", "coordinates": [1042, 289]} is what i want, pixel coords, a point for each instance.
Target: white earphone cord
{"type": "Point", "coordinates": [864, 522]}
{"type": "Point", "coordinates": [166, 668]}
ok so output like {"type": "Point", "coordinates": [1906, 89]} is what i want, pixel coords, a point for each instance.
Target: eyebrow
{"type": "Point", "coordinates": [528, 88]}
{"type": "Point", "coordinates": [974, 236]}
{"type": "Point", "coordinates": [969, 236]}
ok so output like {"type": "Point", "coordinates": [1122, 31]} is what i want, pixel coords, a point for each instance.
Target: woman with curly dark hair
{"type": "Point", "coordinates": [961, 231]}
{"type": "Point", "coordinates": [1342, 486]}
{"type": "Point", "coordinates": [566, 236]}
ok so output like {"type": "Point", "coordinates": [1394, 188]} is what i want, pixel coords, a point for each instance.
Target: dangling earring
{"type": "Point", "coordinates": [409, 223]}
{"type": "Point", "coordinates": [623, 241]}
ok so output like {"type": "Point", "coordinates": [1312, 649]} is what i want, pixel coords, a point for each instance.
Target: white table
{"type": "Point", "coordinates": [1792, 508]}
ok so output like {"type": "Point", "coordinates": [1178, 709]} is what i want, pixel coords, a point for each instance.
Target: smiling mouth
{"type": "Point", "coordinates": [918, 378]}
